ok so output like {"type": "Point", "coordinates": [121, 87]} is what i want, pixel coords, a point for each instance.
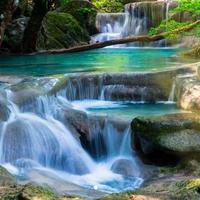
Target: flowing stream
{"type": "Point", "coordinates": [40, 141]}
{"type": "Point", "coordinates": [39, 144]}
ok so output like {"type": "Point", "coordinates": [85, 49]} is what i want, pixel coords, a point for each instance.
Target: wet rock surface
{"type": "Point", "coordinates": [187, 92]}
{"type": "Point", "coordinates": [149, 87]}
{"type": "Point", "coordinates": [168, 137]}
{"type": "Point", "coordinates": [125, 167]}
{"type": "Point", "coordinates": [167, 183]}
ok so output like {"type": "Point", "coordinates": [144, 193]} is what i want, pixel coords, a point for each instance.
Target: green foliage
{"type": "Point", "coordinates": [83, 11]}
{"type": "Point", "coordinates": [167, 26]}
{"type": "Point", "coordinates": [110, 5]}
{"type": "Point", "coordinates": [191, 6]}
{"type": "Point", "coordinates": [64, 2]}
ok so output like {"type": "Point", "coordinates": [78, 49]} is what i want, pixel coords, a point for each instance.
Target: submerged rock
{"type": "Point", "coordinates": [125, 167]}
{"type": "Point", "coordinates": [164, 139]}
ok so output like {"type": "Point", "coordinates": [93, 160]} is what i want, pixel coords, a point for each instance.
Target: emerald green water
{"type": "Point", "coordinates": [126, 110]}
{"type": "Point", "coordinates": [101, 60]}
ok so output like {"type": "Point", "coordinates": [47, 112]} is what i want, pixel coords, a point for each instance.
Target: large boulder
{"type": "Point", "coordinates": [187, 92]}
{"type": "Point", "coordinates": [84, 12]}
{"type": "Point", "coordinates": [167, 138]}
{"type": "Point", "coordinates": [61, 30]}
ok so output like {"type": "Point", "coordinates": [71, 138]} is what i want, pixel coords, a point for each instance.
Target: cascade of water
{"type": "Point", "coordinates": [103, 87]}
{"type": "Point", "coordinates": [110, 137]}
{"type": "Point", "coordinates": [43, 140]}
{"type": "Point", "coordinates": [172, 93]}
{"type": "Point", "coordinates": [83, 88]}
{"type": "Point", "coordinates": [109, 25]}
{"type": "Point", "coordinates": [137, 20]}
{"type": "Point", "coordinates": [34, 138]}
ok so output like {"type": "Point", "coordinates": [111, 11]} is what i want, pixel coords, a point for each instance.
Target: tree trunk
{"type": "Point", "coordinates": [144, 38]}
{"type": "Point", "coordinates": [31, 32]}
{"type": "Point", "coordinates": [7, 11]}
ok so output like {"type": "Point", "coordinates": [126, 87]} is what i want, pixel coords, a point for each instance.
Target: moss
{"type": "Point", "coordinates": [193, 184]}
{"type": "Point", "coordinates": [156, 127]}
{"type": "Point", "coordinates": [10, 193]}
{"type": "Point", "coordinates": [84, 12]}
{"type": "Point", "coordinates": [59, 85]}
{"type": "Point", "coordinates": [31, 192]}
{"type": "Point", "coordinates": [111, 6]}
{"type": "Point", "coordinates": [6, 178]}
{"type": "Point", "coordinates": [118, 196]}
{"type": "Point", "coordinates": [60, 30]}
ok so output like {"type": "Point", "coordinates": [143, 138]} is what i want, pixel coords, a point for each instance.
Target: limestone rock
{"type": "Point", "coordinates": [188, 92]}
{"type": "Point", "coordinates": [174, 134]}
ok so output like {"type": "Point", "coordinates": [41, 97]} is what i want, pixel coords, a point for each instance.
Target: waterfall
{"type": "Point", "coordinates": [172, 93]}
{"type": "Point", "coordinates": [113, 136]}
{"type": "Point", "coordinates": [137, 19]}
{"type": "Point", "coordinates": [123, 87]}
{"type": "Point", "coordinates": [37, 138]}
{"type": "Point", "coordinates": [46, 141]}
{"type": "Point", "coordinates": [109, 25]}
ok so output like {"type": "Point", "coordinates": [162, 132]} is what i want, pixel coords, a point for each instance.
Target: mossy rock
{"type": "Point", "coordinates": [31, 192]}
{"type": "Point", "coordinates": [35, 192]}
{"type": "Point", "coordinates": [163, 137]}
{"type": "Point", "coordinates": [118, 196]}
{"type": "Point", "coordinates": [61, 30]}
{"type": "Point", "coordinates": [84, 12]}
{"type": "Point", "coordinates": [6, 179]}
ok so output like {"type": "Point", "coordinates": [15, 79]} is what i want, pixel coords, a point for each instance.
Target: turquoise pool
{"type": "Point", "coordinates": [126, 110]}
{"type": "Point", "coordinates": [101, 60]}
